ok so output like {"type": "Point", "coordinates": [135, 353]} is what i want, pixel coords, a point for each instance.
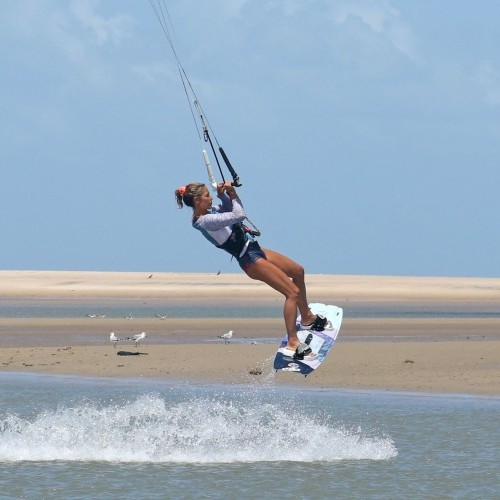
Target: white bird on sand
{"type": "Point", "coordinates": [137, 338]}
{"type": "Point", "coordinates": [113, 338]}
{"type": "Point", "coordinates": [226, 336]}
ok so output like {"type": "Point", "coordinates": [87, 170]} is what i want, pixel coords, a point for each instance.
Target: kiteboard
{"type": "Point", "coordinates": [320, 342]}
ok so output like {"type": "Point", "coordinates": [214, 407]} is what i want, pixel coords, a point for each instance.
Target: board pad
{"type": "Point", "coordinates": [321, 343]}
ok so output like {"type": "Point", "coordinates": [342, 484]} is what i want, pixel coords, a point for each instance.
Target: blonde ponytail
{"type": "Point", "coordinates": [186, 195]}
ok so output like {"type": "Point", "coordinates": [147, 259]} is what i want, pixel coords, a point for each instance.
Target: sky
{"type": "Point", "coordinates": [366, 133]}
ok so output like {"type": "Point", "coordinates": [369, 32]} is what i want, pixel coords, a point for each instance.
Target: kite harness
{"type": "Point", "coordinates": [199, 117]}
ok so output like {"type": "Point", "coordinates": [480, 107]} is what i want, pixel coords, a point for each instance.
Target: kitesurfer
{"type": "Point", "coordinates": [223, 226]}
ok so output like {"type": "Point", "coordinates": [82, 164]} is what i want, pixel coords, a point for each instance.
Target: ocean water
{"type": "Point", "coordinates": [71, 437]}
{"type": "Point", "coordinates": [214, 308]}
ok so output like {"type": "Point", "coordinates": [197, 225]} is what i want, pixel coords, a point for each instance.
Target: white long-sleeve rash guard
{"type": "Point", "coordinates": [223, 226]}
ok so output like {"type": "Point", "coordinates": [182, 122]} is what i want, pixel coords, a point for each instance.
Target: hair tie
{"type": "Point", "coordinates": [182, 190]}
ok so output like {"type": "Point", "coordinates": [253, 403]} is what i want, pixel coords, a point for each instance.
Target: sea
{"type": "Point", "coordinates": [64, 437]}
{"type": "Point", "coordinates": [214, 308]}
{"type": "Point", "coordinates": [74, 437]}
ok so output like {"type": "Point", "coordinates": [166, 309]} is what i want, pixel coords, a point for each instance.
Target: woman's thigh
{"type": "Point", "coordinates": [271, 273]}
{"type": "Point", "coordinates": [287, 265]}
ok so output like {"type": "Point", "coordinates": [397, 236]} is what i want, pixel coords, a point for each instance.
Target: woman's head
{"type": "Point", "coordinates": [186, 195]}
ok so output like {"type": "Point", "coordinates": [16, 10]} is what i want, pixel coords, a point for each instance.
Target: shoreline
{"type": "Point", "coordinates": [321, 287]}
{"type": "Point", "coordinates": [408, 366]}
{"type": "Point", "coordinates": [32, 332]}
{"type": "Point", "coordinates": [416, 354]}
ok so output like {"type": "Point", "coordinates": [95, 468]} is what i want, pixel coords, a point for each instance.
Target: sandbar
{"type": "Point", "coordinates": [416, 350]}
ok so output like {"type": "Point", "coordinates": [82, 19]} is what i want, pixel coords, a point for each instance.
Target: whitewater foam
{"type": "Point", "coordinates": [198, 430]}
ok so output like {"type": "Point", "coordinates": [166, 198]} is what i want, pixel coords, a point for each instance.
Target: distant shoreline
{"type": "Point", "coordinates": [324, 287]}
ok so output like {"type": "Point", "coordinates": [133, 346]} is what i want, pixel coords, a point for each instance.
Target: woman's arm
{"type": "Point", "coordinates": [226, 193]}
{"type": "Point", "coordinates": [226, 202]}
{"type": "Point", "coordinates": [213, 222]}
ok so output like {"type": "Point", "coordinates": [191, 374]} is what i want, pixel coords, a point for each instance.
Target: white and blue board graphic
{"type": "Point", "coordinates": [321, 342]}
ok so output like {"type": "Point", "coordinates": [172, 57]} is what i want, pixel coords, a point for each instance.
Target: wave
{"type": "Point", "coordinates": [199, 430]}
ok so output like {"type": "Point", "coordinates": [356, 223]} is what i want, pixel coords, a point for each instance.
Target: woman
{"type": "Point", "coordinates": [223, 227]}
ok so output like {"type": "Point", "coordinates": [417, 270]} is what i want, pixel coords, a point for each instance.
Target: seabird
{"type": "Point", "coordinates": [113, 338]}
{"type": "Point", "coordinates": [226, 336]}
{"type": "Point", "coordinates": [137, 338]}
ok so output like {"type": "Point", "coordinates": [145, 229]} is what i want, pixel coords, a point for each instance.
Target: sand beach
{"type": "Point", "coordinates": [442, 336]}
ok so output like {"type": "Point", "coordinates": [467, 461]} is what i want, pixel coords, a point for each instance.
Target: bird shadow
{"type": "Point", "coordinates": [129, 353]}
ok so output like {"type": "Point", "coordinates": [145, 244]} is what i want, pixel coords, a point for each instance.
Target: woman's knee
{"type": "Point", "coordinates": [297, 273]}
{"type": "Point", "coordinates": [293, 292]}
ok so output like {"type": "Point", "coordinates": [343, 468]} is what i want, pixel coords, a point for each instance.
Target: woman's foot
{"type": "Point", "coordinates": [301, 352]}
{"type": "Point", "coordinates": [318, 324]}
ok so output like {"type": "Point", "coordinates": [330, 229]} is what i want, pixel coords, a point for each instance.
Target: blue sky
{"type": "Point", "coordinates": [366, 133]}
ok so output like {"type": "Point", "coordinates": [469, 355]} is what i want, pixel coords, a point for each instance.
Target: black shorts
{"type": "Point", "coordinates": [253, 253]}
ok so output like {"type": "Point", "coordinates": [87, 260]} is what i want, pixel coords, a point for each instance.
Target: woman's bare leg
{"type": "Point", "coordinates": [296, 273]}
{"type": "Point", "coordinates": [264, 270]}
{"type": "Point", "coordinates": [276, 271]}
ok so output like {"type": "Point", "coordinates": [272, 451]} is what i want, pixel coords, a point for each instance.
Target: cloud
{"type": "Point", "coordinates": [487, 77]}
{"type": "Point", "coordinates": [73, 33]}
{"type": "Point", "coordinates": [382, 19]}
{"type": "Point", "coordinates": [156, 73]}
{"type": "Point", "coordinates": [37, 19]}
{"type": "Point", "coordinates": [371, 35]}
{"type": "Point", "coordinates": [104, 30]}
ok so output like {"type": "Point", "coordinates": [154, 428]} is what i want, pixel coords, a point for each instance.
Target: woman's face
{"type": "Point", "coordinates": [204, 202]}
